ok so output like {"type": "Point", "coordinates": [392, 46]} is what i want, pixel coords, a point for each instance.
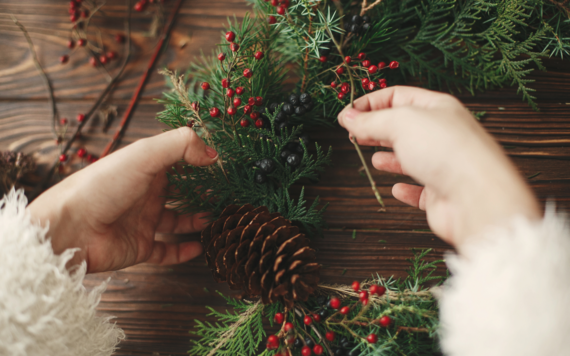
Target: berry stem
{"type": "Point", "coordinates": [321, 338]}
{"type": "Point", "coordinates": [356, 146]}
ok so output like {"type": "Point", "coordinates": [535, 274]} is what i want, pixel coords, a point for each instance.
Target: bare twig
{"type": "Point", "coordinates": [93, 108]}
{"type": "Point", "coordinates": [124, 122]}
{"type": "Point", "coordinates": [412, 329]}
{"type": "Point", "coordinates": [43, 74]}
{"type": "Point", "coordinates": [366, 8]}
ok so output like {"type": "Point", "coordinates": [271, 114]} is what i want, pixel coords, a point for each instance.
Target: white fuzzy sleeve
{"type": "Point", "coordinates": [44, 308]}
{"type": "Point", "coordinates": [511, 294]}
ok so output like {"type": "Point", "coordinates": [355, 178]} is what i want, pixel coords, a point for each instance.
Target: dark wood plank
{"type": "Point", "coordinates": [157, 305]}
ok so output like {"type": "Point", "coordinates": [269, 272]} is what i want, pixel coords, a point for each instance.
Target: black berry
{"type": "Point", "coordinates": [354, 28]}
{"type": "Point", "coordinates": [309, 342]}
{"type": "Point", "coordinates": [294, 99]}
{"type": "Point", "coordinates": [357, 20]}
{"type": "Point", "coordinates": [305, 98]}
{"type": "Point", "coordinates": [298, 343]}
{"type": "Point", "coordinates": [257, 163]}
{"type": "Point", "coordinates": [288, 108]}
{"type": "Point", "coordinates": [293, 160]}
{"type": "Point", "coordinates": [338, 352]}
{"type": "Point", "coordinates": [366, 27]}
{"type": "Point", "coordinates": [285, 154]}
{"type": "Point", "coordinates": [260, 177]}
{"type": "Point", "coordinates": [273, 107]}
{"type": "Point", "coordinates": [324, 313]}
{"type": "Point", "coordinates": [366, 19]}
{"type": "Point", "coordinates": [300, 110]}
{"type": "Point", "coordinates": [283, 125]}
{"type": "Point", "coordinates": [344, 342]}
{"type": "Point", "coordinates": [281, 116]}
{"type": "Point", "coordinates": [267, 165]}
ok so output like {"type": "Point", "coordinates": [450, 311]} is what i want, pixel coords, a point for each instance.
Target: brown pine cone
{"type": "Point", "coordinates": [262, 254]}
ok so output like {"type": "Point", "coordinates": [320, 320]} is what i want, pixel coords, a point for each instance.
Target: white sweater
{"type": "Point", "coordinates": [507, 296]}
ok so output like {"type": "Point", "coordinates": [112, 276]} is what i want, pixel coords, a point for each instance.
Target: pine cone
{"type": "Point", "coordinates": [262, 254]}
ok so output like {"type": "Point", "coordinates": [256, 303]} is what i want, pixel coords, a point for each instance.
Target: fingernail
{"type": "Point", "coordinates": [350, 114]}
{"type": "Point", "coordinates": [211, 152]}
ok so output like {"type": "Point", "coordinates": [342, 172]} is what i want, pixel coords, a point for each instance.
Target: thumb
{"type": "Point", "coordinates": [155, 154]}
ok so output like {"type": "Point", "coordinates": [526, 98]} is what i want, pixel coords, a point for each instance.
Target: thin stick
{"type": "Point", "coordinates": [43, 74]}
{"type": "Point", "coordinates": [93, 108]}
{"type": "Point", "coordinates": [134, 99]}
{"type": "Point", "coordinates": [356, 146]}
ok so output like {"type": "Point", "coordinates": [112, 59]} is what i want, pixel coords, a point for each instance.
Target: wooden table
{"type": "Point", "coordinates": [156, 306]}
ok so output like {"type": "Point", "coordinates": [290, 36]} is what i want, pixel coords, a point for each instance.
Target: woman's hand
{"type": "Point", "coordinates": [112, 209]}
{"type": "Point", "coordinates": [468, 182]}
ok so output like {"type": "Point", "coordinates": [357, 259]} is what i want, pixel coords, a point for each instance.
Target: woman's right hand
{"type": "Point", "coordinates": [469, 184]}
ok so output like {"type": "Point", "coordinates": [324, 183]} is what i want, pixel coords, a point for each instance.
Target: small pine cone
{"type": "Point", "coordinates": [262, 254]}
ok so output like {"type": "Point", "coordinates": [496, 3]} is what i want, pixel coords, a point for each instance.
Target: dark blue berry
{"type": "Point", "coordinates": [280, 116]}
{"type": "Point", "coordinates": [285, 154]}
{"type": "Point", "coordinates": [298, 343]}
{"type": "Point", "coordinates": [294, 99]}
{"type": "Point", "coordinates": [309, 342]}
{"type": "Point", "coordinates": [305, 98]}
{"type": "Point", "coordinates": [267, 165]}
{"type": "Point", "coordinates": [293, 160]}
{"type": "Point", "coordinates": [273, 107]}
{"type": "Point", "coordinates": [356, 19]}
{"type": "Point", "coordinates": [354, 28]}
{"type": "Point", "coordinates": [288, 108]}
{"type": "Point", "coordinates": [366, 27]}
{"type": "Point", "coordinates": [300, 110]}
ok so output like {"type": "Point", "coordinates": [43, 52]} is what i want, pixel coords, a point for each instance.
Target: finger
{"type": "Point", "coordinates": [387, 161]}
{"type": "Point", "coordinates": [155, 154]}
{"type": "Point", "coordinates": [170, 254]}
{"type": "Point", "coordinates": [373, 128]}
{"type": "Point", "coordinates": [173, 223]}
{"type": "Point", "coordinates": [398, 96]}
{"type": "Point", "coordinates": [410, 194]}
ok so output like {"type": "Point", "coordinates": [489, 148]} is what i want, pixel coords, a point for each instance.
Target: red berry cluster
{"type": "Point", "coordinates": [364, 70]}
{"type": "Point", "coordinates": [233, 102]}
{"type": "Point", "coordinates": [141, 5]}
{"type": "Point", "coordinates": [281, 8]}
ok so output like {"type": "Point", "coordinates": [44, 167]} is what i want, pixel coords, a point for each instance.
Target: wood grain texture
{"type": "Point", "coordinates": [157, 305]}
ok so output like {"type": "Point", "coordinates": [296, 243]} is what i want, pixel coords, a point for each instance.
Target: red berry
{"type": "Point", "coordinates": [237, 102]}
{"type": "Point", "coordinates": [82, 152]}
{"type": "Point", "coordinates": [306, 351]}
{"type": "Point", "coordinates": [63, 59]}
{"type": "Point", "coordinates": [335, 302]}
{"type": "Point", "coordinates": [221, 56]}
{"type": "Point", "coordinates": [318, 350]}
{"type": "Point", "coordinates": [345, 88]}
{"type": "Point", "coordinates": [288, 327]}
{"type": "Point", "coordinates": [333, 85]}
{"type": "Point", "coordinates": [258, 55]}
{"type": "Point", "coordinates": [247, 109]}
{"type": "Point", "coordinates": [356, 284]}
{"type": "Point", "coordinates": [214, 112]}
{"type": "Point", "coordinates": [103, 59]}
{"type": "Point", "coordinates": [63, 121]}
{"type": "Point", "coordinates": [119, 38]}
{"type": "Point", "coordinates": [140, 6]}
{"type": "Point", "coordinates": [258, 101]}
{"type": "Point", "coordinates": [372, 69]}
{"type": "Point", "coordinates": [62, 158]}
{"type": "Point", "coordinates": [340, 70]}
{"type": "Point", "coordinates": [285, 3]}
{"type": "Point", "coordinates": [232, 111]}
{"type": "Point", "coordinates": [230, 92]}
{"type": "Point", "coordinates": [73, 17]}
{"type": "Point", "coordinates": [80, 117]}
{"type": "Point", "coordinates": [234, 47]}
{"type": "Point", "coordinates": [383, 85]}
{"type": "Point", "coordinates": [307, 320]}
{"type": "Point", "coordinates": [330, 335]}
{"type": "Point", "coordinates": [382, 65]}
{"type": "Point", "coordinates": [361, 56]}
{"type": "Point", "coordinates": [340, 96]}
{"type": "Point", "coordinates": [375, 289]}
{"type": "Point", "coordinates": [81, 42]}
{"type": "Point", "coordinates": [394, 65]}
{"type": "Point", "coordinates": [363, 295]}
{"type": "Point", "coordinates": [272, 20]}
{"type": "Point", "coordinates": [190, 123]}
{"type": "Point", "coordinates": [364, 302]}
{"type": "Point", "coordinates": [93, 61]}
{"type": "Point", "coordinates": [225, 83]}
{"type": "Point", "coordinates": [322, 59]}
{"type": "Point", "coordinates": [244, 122]}
{"type": "Point", "coordinates": [347, 59]}
{"type": "Point", "coordinates": [85, 13]}
{"type": "Point", "coordinates": [372, 338]}
{"type": "Point", "coordinates": [205, 85]}
{"type": "Point", "coordinates": [72, 5]}
{"type": "Point", "coordinates": [254, 115]}
{"type": "Point", "coordinates": [259, 123]}
{"type": "Point", "coordinates": [371, 85]}
{"type": "Point", "coordinates": [239, 90]}
{"type": "Point", "coordinates": [273, 339]}
{"type": "Point", "coordinates": [364, 82]}
{"type": "Point", "coordinates": [70, 44]}
{"type": "Point", "coordinates": [382, 80]}
{"type": "Point", "coordinates": [366, 63]}
{"type": "Point", "coordinates": [281, 10]}
{"type": "Point", "coordinates": [344, 310]}
{"type": "Point", "coordinates": [385, 321]}
{"type": "Point", "coordinates": [274, 3]}
{"type": "Point", "coordinates": [230, 36]}
{"type": "Point", "coordinates": [251, 101]}
{"type": "Point", "coordinates": [247, 73]}
{"type": "Point", "coordinates": [317, 318]}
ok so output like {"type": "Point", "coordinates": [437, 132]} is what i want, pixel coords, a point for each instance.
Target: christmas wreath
{"type": "Point", "coordinates": [293, 65]}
